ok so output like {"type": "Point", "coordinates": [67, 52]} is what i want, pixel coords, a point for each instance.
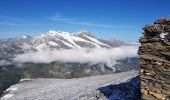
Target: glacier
{"type": "Point", "coordinates": [65, 89]}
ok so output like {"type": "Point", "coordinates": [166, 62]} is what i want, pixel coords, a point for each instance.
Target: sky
{"type": "Point", "coordinates": [120, 19]}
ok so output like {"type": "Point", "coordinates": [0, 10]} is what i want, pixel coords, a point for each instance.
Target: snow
{"type": "Point", "coordinates": [81, 32]}
{"type": "Point", "coordinates": [12, 89]}
{"type": "Point", "coordinates": [66, 89]}
{"type": "Point", "coordinates": [75, 38]}
{"type": "Point", "coordinates": [7, 96]}
{"type": "Point", "coordinates": [67, 36]}
{"type": "Point", "coordinates": [163, 35]}
{"type": "Point", "coordinates": [68, 44]}
{"type": "Point", "coordinates": [96, 41]}
{"type": "Point", "coordinates": [83, 40]}
{"type": "Point", "coordinates": [54, 38]}
{"type": "Point", "coordinates": [53, 43]}
{"type": "Point", "coordinates": [25, 46]}
{"type": "Point", "coordinates": [53, 34]}
{"type": "Point", "coordinates": [10, 92]}
{"type": "Point", "coordinates": [41, 36]}
{"type": "Point", "coordinates": [24, 37]}
{"type": "Point", "coordinates": [26, 79]}
{"type": "Point", "coordinates": [97, 45]}
{"type": "Point", "coordinates": [41, 47]}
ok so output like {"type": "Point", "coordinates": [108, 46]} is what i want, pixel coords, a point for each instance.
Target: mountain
{"type": "Point", "coordinates": [60, 40]}
{"type": "Point", "coordinates": [58, 54]}
{"type": "Point", "coordinates": [57, 46]}
{"type": "Point", "coordinates": [53, 40]}
{"type": "Point", "coordinates": [80, 50]}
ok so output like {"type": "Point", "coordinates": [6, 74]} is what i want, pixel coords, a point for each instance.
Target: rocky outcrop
{"type": "Point", "coordinates": [154, 60]}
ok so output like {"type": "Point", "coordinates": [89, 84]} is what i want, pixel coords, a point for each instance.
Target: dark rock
{"type": "Point", "coordinates": [125, 91]}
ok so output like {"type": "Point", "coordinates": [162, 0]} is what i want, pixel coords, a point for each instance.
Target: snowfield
{"type": "Point", "coordinates": [64, 89]}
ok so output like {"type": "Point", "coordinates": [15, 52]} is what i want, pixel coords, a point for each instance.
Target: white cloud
{"type": "Point", "coordinates": [85, 23]}
{"type": "Point", "coordinates": [13, 21]}
{"type": "Point", "coordinates": [9, 18]}
{"type": "Point", "coordinates": [58, 17]}
{"type": "Point", "coordinates": [89, 24]}
{"type": "Point", "coordinates": [93, 56]}
{"type": "Point", "coordinates": [8, 24]}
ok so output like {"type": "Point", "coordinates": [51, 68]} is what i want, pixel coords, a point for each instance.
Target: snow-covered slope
{"type": "Point", "coordinates": [63, 89]}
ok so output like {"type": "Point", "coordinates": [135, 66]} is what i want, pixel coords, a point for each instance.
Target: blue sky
{"type": "Point", "coordinates": [121, 19]}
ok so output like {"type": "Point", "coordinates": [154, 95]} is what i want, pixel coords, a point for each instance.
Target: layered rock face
{"type": "Point", "coordinates": [154, 60]}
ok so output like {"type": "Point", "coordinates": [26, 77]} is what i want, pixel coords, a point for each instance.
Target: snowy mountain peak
{"type": "Point", "coordinates": [52, 31]}
{"type": "Point", "coordinates": [83, 32]}
{"type": "Point", "coordinates": [57, 32]}
{"type": "Point", "coordinates": [67, 34]}
{"type": "Point", "coordinates": [62, 40]}
{"type": "Point", "coordinates": [23, 37]}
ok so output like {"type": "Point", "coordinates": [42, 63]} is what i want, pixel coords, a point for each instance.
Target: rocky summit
{"type": "Point", "coordinates": [155, 60]}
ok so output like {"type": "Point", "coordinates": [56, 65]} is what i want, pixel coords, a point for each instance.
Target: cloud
{"type": "Point", "coordinates": [8, 24]}
{"type": "Point", "coordinates": [61, 19]}
{"type": "Point", "coordinates": [19, 24]}
{"type": "Point", "coordinates": [93, 56]}
{"type": "Point", "coordinates": [8, 18]}
{"type": "Point", "coordinates": [89, 24]}
{"type": "Point", "coordinates": [13, 21]}
{"type": "Point", "coordinates": [58, 17]}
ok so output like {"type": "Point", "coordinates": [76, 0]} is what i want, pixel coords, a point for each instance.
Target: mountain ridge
{"type": "Point", "coordinates": [61, 39]}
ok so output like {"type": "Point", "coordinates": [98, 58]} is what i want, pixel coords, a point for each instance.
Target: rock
{"type": "Point", "coordinates": [125, 91]}
{"type": "Point", "coordinates": [148, 97]}
{"type": "Point", "coordinates": [145, 91]}
{"type": "Point", "coordinates": [157, 95]}
{"type": "Point", "coordinates": [154, 60]}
